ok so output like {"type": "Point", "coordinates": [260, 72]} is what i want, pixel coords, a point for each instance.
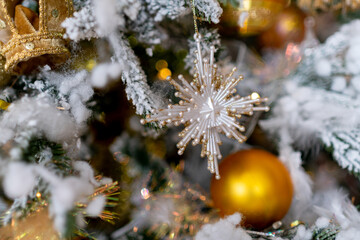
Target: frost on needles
{"type": "Point", "coordinates": [141, 17]}
{"type": "Point", "coordinates": [320, 104]}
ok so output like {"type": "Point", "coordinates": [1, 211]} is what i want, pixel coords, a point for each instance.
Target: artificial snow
{"type": "Point", "coordinates": [19, 180]}
{"type": "Point", "coordinates": [225, 229]}
{"type": "Point", "coordinates": [38, 113]}
{"type": "Point", "coordinates": [338, 84]}
{"type": "Point", "coordinates": [75, 90]}
{"type": "Point", "coordinates": [105, 73]}
{"type": "Point", "coordinates": [303, 234]}
{"type": "Point", "coordinates": [81, 26]}
{"type": "Point", "coordinates": [96, 206]}
{"type": "Point", "coordinates": [164, 8]}
{"type": "Point", "coordinates": [352, 59]}
{"type": "Point", "coordinates": [322, 222]}
{"type": "Point", "coordinates": [323, 68]}
{"type": "Point", "coordinates": [211, 9]}
{"type": "Point", "coordinates": [355, 83]}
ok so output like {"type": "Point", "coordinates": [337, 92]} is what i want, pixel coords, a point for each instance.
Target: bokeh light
{"type": "Point", "coordinates": [161, 64]}
{"type": "Point", "coordinates": [255, 95]}
{"type": "Point", "coordinates": [164, 73]}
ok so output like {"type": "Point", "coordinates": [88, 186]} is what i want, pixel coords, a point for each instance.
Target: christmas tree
{"type": "Point", "coordinates": [101, 99]}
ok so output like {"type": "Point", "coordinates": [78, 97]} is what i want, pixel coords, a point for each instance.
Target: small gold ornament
{"type": "Point", "coordinates": [288, 27]}
{"type": "Point", "coordinates": [29, 40]}
{"type": "Point", "coordinates": [256, 184]}
{"type": "Point", "coordinates": [252, 16]}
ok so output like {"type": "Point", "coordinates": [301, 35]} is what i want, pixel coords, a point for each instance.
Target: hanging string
{"type": "Point", "coordinates": [194, 15]}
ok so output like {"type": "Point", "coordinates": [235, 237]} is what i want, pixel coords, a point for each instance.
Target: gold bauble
{"type": "Point", "coordinates": [288, 27]}
{"type": "Point", "coordinates": [252, 16]}
{"type": "Point", "coordinates": [256, 184]}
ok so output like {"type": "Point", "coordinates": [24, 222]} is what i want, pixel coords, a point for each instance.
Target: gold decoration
{"type": "Point", "coordinates": [252, 16]}
{"type": "Point", "coordinates": [29, 40]}
{"type": "Point", "coordinates": [37, 225]}
{"type": "Point", "coordinates": [256, 184]}
{"type": "Point", "coordinates": [296, 223]}
{"type": "Point", "coordinates": [314, 6]}
{"type": "Point", "coordinates": [4, 105]}
{"type": "Point", "coordinates": [208, 106]}
{"type": "Point", "coordinates": [288, 27]}
{"type": "Point", "coordinates": [2, 24]}
{"type": "Point", "coordinates": [4, 76]}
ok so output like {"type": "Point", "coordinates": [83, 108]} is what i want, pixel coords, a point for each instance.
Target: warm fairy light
{"type": "Point", "coordinates": [293, 52]}
{"type": "Point", "coordinates": [164, 71]}
{"type": "Point", "coordinates": [161, 64]}
{"type": "Point", "coordinates": [38, 195]}
{"type": "Point", "coordinates": [145, 194]}
{"type": "Point", "coordinates": [295, 223]}
{"type": "Point", "coordinates": [164, 74]}
{"type": "Point", "coordinates": [246, 5]}
{"type": "Point", "coordinates": [208, 107]}
{"type": "Point", "coordinates": [255, 96]}
{"type": "Point", "coordinates": [202, 198]}
{"type": "Point", "coordinates": [176, 213]}
{"type": "Point", "coordinates": [90, 64]}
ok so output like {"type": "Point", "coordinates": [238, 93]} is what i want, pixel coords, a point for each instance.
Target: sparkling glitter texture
{"type": "Point", "coordinates": [208, 107]}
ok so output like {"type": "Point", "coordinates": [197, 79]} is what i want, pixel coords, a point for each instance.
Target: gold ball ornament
{"type": "Point", "coordinates": [255, 183]}
{"type": "Point", "coordinates": [287, 27]}
{"type": "Point", "coordinates": [252, 16]}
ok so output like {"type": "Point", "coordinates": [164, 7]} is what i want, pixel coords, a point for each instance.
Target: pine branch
{"type": "Point", "coordinates": [325, 234]}
{"type": "Point", "coordinates": [345, 148]}
{"type": "Point", "coordinates": [137, 89]}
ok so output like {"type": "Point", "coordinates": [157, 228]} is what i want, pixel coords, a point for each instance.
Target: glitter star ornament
{"type": "Point", "coordinates": [208, 106]}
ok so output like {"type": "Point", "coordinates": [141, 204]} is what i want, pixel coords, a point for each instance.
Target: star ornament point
{"type": "Point", "coordinates": [208, 107]}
